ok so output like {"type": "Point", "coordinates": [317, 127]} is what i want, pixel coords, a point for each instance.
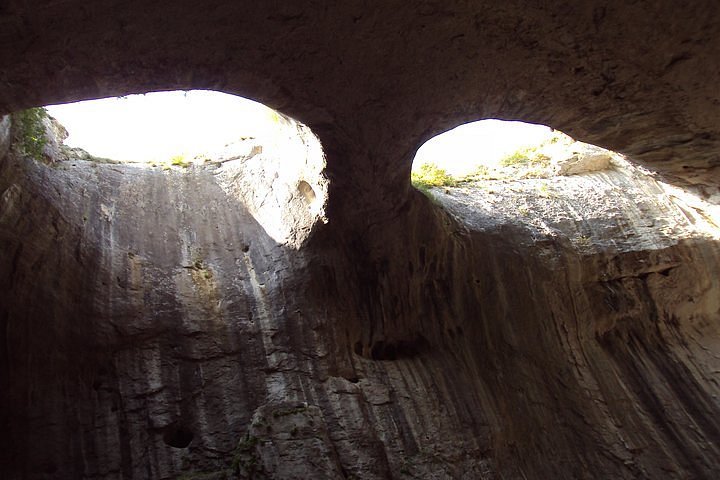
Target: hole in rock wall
{"type": "Point", "coordinates": [401, 349]}
{"type": "Point", "coordinates": [306, 191]}
{"type": "Point", "coordinates": [492, 174]}
{"type": "Point", "coordinates": [273, 164]}
{"type": "Point", "coordinates": [178, 436]}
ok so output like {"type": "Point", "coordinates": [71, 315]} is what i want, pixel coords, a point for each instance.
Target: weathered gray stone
{"type": "Point", "coordinates": [4, 135]}
{"type": "Point", "coordinates": [152, 328]}
{"type": "Point", "coordinates": [280, 180]}
{"type": "Point", "coordinates": [583, 161]}
{"type": "Point", "coordinates": [148, 316]}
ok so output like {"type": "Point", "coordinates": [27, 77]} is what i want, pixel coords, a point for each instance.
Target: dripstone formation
{"type": "Point", "coordinates": [328, 320]}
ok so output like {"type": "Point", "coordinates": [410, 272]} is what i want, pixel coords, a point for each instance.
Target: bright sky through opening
{"type": "Point", "coordinates": [157, 126]}
{"type": "Point", "coordinates": [460, 150]}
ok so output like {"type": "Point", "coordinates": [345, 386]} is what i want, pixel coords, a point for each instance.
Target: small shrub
{"type": "Point", "coordinates": [584, 241]}
{"type": "Point", "coordinates": [525, 157]}
{"type": "Point", "coordinates": [245, 462]}
{"type": "Point", "coordinates": [274, 117]}
{"type": "Point", "coordinates": [482, 171]}
{"type": "Point", "coordinates": [179, 161]}
{"type": "Point", "coordinates": [430, 175]}
{"type": "Point", "coordinates": [32, 131]}
{"type": "Point", "coordinates": [247, 443]}
{"type": "Point", "coordinates": [516, 159]}
{"type": "Point", "coordinates": [545, 191]}
{"type": "Point", "coordinates": [527, 163]}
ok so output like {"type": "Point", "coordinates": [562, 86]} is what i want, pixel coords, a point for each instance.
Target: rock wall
{"type": "Point", "coordinates": [151, 328]}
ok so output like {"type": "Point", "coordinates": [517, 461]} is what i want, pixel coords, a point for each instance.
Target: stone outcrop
{"type": "Point", "coordinates": [280, 178]}
{"type": "Point", "coordinates": [152, 327]}
{"type": "Point", "coordinates": [586, 159]}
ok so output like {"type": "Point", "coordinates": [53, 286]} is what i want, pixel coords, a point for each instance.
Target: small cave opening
{"type": "Point", "coordinates": [494, 174]}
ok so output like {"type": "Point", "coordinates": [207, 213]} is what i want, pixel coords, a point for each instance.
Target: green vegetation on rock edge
{"type": "Point", "coordinates": [31, 131]}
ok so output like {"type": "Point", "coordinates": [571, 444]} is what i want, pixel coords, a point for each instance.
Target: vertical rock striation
{"type": "Point", "coordinates": [151, 328]}
{"type": "Point", "coordinates": [157, 323]}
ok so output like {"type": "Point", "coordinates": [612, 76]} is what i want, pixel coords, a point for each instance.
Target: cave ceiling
{"type": "Point", "coordinates": [375, 80]}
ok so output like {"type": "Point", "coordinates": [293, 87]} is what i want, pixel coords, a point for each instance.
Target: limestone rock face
{"type": "Point", "coordinates": [152, 323]}
{"type": "Point", "coordinates": [4, 135]}
{"type": "Point", "coordinates": [585, 160]}
{"type": "Point", "coordinates": [56, 135]}
{"type": "Point", "coordinates": [280, 179]}
{"type": "Point", "coordinates": [152, 328]}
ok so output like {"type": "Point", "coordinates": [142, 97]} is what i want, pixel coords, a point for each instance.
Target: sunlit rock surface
{"type": "Point", "coordinates": [151, 328]}
{"type": "Point", "coordinates": [280, 179]}
{"type": "Point", "coordinates": [603, 204]}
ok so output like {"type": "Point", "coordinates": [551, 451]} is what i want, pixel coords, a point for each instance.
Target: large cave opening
{"type": "Point", "coordinates": [156, 127]}
{"type": "Point", "coordinates": [110, 253]}
{"type": "Point", "coordinates": [268, 161]}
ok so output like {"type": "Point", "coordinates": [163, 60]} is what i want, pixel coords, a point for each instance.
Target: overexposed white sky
{"type": "Point", "coordinates": [462, 149]}
{"type": "Point", "coordinates": [157, 126]}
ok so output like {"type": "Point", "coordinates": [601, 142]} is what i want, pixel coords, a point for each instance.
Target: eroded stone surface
{"type": "Point", "coordinates": [589, 159]}
{"type": "Point", "coordinates": [152, 329]}
{"type": "Point", "coordinates": [280, 178]}
{"type": "Point", "coordinates": [146, 317]}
